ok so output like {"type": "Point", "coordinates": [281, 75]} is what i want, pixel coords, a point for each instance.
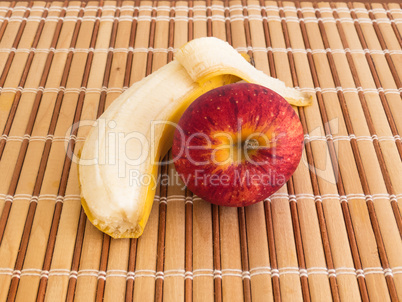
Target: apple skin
{"type": "Point", "coordinates": [237, 144]}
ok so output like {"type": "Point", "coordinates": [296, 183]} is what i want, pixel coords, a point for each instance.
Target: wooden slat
{"type": "Point", "coordinates": [395, 13]}
{"type": "Point", "coordinates": [12, 35]}
{"type": "Point", "coordinates": [367, 240]}
{"type": "Point", "coordinates": [41, 61]}
{"type": "Point", "coordinates": [144, 288]}
{"type": "Point", "coordinates": [205, 217]}
{"type": "Point", "coordinates": [44, 224]}
{"type": "Point", "coordinates": [6, 14]}
{"type": "Point", "coordinates": [63, 244]}
{"type": "Point", "coordinates": [326, 174]}
{"type": "Point", "coordinates": [267, 204]}
{"type": "Point", "coordinates": [371, 175]}
{"type": "Point", "coordinates": [312, 243]}
{"type": "Point", "coordinates": [162, 39]}
{"type": "Point", "coordinates": [133, 242]}
{"type": "Point", "coordinates": [119, 249]}
{"type": "Point", "coordinates": [380, 76]}
{"type": "Point", "coordinates": [234, 251]}
{"type": "Point", "coordinates": [29, 181]}
{"type": "Point", "coordinates": [257, 247]}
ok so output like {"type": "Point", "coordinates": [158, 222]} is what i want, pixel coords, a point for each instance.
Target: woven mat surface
{"type": "Point", "coordinates": [333, 232]}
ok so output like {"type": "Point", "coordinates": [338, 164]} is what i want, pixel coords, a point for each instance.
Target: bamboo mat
{"type": "Point", "coordinates": [333, 232]}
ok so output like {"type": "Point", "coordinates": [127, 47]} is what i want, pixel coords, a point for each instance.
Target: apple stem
{"type": "Point", "coordinates": [251, 144]}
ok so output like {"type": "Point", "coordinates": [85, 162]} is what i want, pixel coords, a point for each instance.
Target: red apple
{"type": "Point", "coordinates": [237, 144]}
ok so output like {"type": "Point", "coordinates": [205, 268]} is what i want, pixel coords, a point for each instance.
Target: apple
{"type": "Point", "coordinates": [237, 144]}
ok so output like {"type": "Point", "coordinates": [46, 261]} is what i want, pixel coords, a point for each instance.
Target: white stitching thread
{"type": "Point", "coordinates": [256, 271]}
{"type": "Point", "coordinates": [321, 197]}
{"type": "Point", "coordinates": [30, 198]}
{"type": "Point", "coordinates": [170, 49]}
{"type": "Point", "coordinates": [130, 275]}
{"type": "Point", "coordinates": [121, 90]}
{"type": "Point", "coordinates": [41, 138]}
{"type": "Point", "coordinates": [350, 90]}
{"type": "Point", "coordinates": [195, 18]}
{"type": "Point", "coordinates": [310, 138]}
{"type": "Point", "coordinates": [217, 274]}
{"type": "Point", "coordinates": [9, 198]}
{"type": "Point", "coordinates": [233, 8]}
{"type": "Point", "coordinates": [341, 198]}
{"type": "Point", "coordinates": [188, 275]}
{"type": "Point", "coordinates": [201, 8]}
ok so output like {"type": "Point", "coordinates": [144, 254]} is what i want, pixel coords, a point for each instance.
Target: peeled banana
{"type": "Point", "coordinates": [119, 161]}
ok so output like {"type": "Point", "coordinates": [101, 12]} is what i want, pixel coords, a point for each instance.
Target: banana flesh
{"type": "Point", "coordinates": [119, 161]}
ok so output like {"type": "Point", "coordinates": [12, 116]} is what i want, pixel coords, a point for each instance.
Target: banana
{"type": "Point", "coordinates": [119, 161]}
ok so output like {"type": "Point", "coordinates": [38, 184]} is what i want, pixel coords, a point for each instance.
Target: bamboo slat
{"type": "Point", "coordinates": [117, 266]}
{"type": "Point", "coordinates": [359, 213]}
{"type": "Point", "coordinates": [174, 267]}
{"type": "Point", "coordinates": [71, 210]}
{"type": "Point", "coordinates": [395, 14]}
{"type": "Point", "coordinates": [375, 183]}
{"type": "Point", "coordinates": [333, 232]}
{"type": "Point", "coordinates": [326, 180]}
{"type": "Point", "coordinates": [147, 243]}
{"type": "Point", "coordinates": [26, 184]}
{"type": "Point", "coordinates": [309, 223]}
{"type": "Point", "coordinates": [163, 39]}
{"type": "Point", "coordinates": [259, 262]}
{"type": "Point", "coordinates": [206, 261]}
{"type": "Point", "coordinates": [48, 211]}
